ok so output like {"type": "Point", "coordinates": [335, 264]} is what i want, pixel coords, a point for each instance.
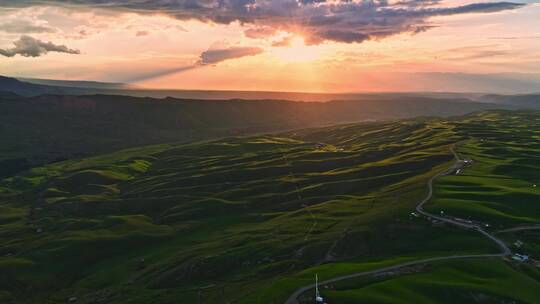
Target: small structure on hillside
{"type": "Point", "coordinates": [520, 257]}
{"type": "Point", "coordinates": [318, 298]}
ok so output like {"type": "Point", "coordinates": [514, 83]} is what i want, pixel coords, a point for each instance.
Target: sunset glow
{"type": "Point", "coordinates": [297, 51]}
{"type": "Point", "coordinates": [321, 47]}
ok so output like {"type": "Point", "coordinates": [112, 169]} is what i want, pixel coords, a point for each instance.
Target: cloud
{"type": "Point", "coordinates": [141, 33]}
{"type": "Point", "coordinates": [219, 55]}
{"type": "Point", "coordinates": [317, 20]}
{"type": "Point", "coordinates": [286, 41]}
{"type": "Point", "coordinates": [206, 58]}
{"type": "Point", "coordinates": [516, 37]}
{"type": "Point", "coordinates": [22, 26]}
{"type": "Point", "coordinates": [28, 46]}
{"type": "Point", "coordinates": [259, 32]}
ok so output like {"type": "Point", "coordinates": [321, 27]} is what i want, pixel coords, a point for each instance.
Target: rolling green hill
{"type": "Point", "coordinates": [251, 219]}
{"type": "Point", "coordinates": [501, 187]}
{"type": "Point", "coordinates": [490, 281]}
{"type": "Point", "coordinates": [49, 128]}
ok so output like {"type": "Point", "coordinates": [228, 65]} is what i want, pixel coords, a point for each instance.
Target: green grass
{"type": "Point", "coordinates": [248, 218]}
{"type": "Point", "coordinates": [499, 187]}
{"type": "Point", "coordinates": [40, 130]}
{"type": "Point", "coordinates": [473, 281]}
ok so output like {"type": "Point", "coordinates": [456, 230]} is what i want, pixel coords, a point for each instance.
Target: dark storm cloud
{"type": "Point", "coordinates": [27, 46]}
{"type": "Point", "coordinates": [319, 20]}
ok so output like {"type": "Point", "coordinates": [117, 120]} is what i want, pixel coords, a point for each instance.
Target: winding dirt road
{"type": "Point", "coordinates": [458, 164]}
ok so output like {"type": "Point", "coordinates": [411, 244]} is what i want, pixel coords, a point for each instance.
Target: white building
{"type": "Point", "coordinates": [520, 257]}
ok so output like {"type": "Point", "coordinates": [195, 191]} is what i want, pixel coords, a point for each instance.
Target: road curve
{"type": "Point", "coordinates": [458, 164]}
{"type": "Point", "coordinates": [293, 299]}
{"type": "Point", "coordinates": [520, 228]}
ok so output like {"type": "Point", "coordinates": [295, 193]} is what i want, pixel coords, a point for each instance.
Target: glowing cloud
{"type": "Point", "coordinates": [317, 20]}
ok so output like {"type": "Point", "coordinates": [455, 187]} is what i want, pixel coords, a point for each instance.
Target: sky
{"type": "Point", "coordinates": [279, 45]}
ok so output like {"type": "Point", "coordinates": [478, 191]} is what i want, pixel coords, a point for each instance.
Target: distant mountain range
{"type": "Point", "coordinates": [41, 123]}
{"type": "Point", "coordinates": [33, 87]}
{"type": "Point", "coordinates": [524, 101]}
{"type": "Point", "coordinates": [29, 87]}
{"type": "Point", "coordinates": [78, 84]}
{"type": "Point", "coordinates": [21, 88]}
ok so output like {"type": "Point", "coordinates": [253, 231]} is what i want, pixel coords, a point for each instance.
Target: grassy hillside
{"type": "Point", "coordinates": [467, 282]}
{"type": "Point", "coordinates": [499, 190]}
{"type": "Point", "coordinates": [44, 129]}
{"type": "Point", "coordinates": [503, 185]}
{"type": "Point", "coordinates": [242, 219]}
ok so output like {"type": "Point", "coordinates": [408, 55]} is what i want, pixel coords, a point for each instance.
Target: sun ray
{"type": "Point", "coordinates": [296, 50]}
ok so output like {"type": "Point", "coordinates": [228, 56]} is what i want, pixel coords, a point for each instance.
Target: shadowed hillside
{"type": "Point", "coordinates": [50, 128]}
{"type": "Point", "coordinates": [523, 101]}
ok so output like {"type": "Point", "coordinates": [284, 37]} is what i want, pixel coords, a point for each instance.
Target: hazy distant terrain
{"type": "Point", "coordinates": [77, 84]}
{"type": "Point", "coordinates": [523, 101]}
{"type": "Point", "coordinates": [105, 198]}
{"type": "Point", "coordinates": [52, 127]}
{"type": "Point", "coordinates": [33, 87]}
{"type": "Point", "coordinates": [435, 85]}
